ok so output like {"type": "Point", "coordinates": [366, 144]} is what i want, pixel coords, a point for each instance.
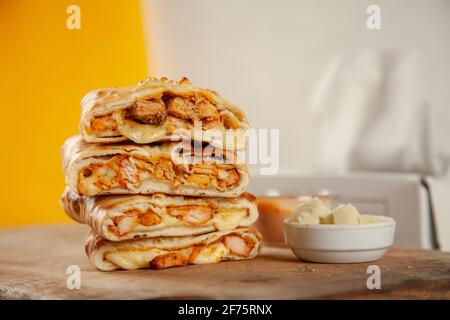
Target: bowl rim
{"type": "Point", "coordinates": [388, 222]}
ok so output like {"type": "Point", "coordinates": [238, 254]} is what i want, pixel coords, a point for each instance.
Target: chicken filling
{"type": "Point", "coordinates": [233, 244]}
{"type": "Point", "coordinates": [171, 111]}
{"type": "Point", "coordinates": [129, 172]}
{"type": "Point", "coordinates": [132, 220]}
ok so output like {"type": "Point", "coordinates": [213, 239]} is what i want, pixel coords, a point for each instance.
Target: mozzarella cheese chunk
{"type": "Point", "coordinates": [345, 214]}
{"type": "Point", "coordinates": [368, 218]}
{"type": "Point", "coordinates": [310, 211]}
{"type": "Point", "coordinates": [327, 219]}
{"type": "Point", "coordinates": [307, 218]}
{"type": "Point", "coordinates": [314, 211]}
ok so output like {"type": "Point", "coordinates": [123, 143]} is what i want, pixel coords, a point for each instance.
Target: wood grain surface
{"type": "Point", "coordinates": [34, 260]}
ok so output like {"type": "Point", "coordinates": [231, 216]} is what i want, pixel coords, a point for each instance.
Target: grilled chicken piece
{"type": "Point", "coordinates": [168, 260]}
{"type": "Point", "coordinates": [128, 172]}
{"type": "Point", "coordinates": [132, 218]}
{"type": "Point", "coordinates": [127, 223]}
{"type": "Point", "coordinates": [104, 124]}
{"type": "Point", "coordinates": [213, 124]}
{"type": "Point", "coordinates": [200, 180]}
{"type": "Point", "coordinates": [230, 177]}
{"type": "Point", "coordinates": [181, 108]}
{"type": "Point", "coordinates": [198, 215]}
{"type": "Point", "coordinates": [206, 110]}
{"type": "Point", "coordinates": [237, 245]}
{"type": "Point", "coordinates": [174, 123]}
{"type": "Point", "coordinates": [195, 108]}
{"type": "Point", "coordinates": [164, 169]}
{"type": "Point", "coordinates": [149, 111]}
{"type": "Point", "coordinates": [194, 215]}
{"type": "Point", "coordinates": [203, 168]}
{"type": "Point", "coordinates": [149, 218]}
{"type": "Point", "coordinates": [175, 259]}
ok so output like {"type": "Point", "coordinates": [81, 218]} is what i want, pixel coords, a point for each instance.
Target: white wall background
{"type": "Point", "coordinates": [266, 56]}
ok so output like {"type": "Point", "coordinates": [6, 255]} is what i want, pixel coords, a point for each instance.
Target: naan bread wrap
{"type": "Point", "coordinates": [165, 252]}
{"type": "Point", "coordinates": [158, 110]}
{"type": "Point", "coordinates": [94, 169]}
{"type": "Point", "coordinates": [118, 218]}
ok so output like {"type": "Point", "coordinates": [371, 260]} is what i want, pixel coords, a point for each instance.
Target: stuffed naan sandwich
{"type": "Point", "coordinates": [159, 109]}
{"type": "Point", "coordinates": [94, 169]}
{"type": "Point", "coordinates": [165, 252]}
{"type": "Point", "coordinates": [118, 218]}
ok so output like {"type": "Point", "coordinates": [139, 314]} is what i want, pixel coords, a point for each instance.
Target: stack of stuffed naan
{"type": "Point", "coordinates": [156, 175]}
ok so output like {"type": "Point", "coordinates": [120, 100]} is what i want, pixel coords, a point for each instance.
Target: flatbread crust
{"type": "Point", "coordinates": [97, 248]}
{"type": "Point", "coordinates": [103, 102]}
{"type": "Point", "coordinates": [77, 154]}
{"type": "Point", "coordinates": [100, 212]}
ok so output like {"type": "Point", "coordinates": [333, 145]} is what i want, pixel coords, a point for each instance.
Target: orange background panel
{"type": "Point", "coordinates": [45, 71]}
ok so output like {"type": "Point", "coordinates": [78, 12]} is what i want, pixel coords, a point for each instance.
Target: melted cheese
{"type": "Point", "coordinates": [228, 219]}
{"type": "Point", "coordinates": [138, 132]}
{"type": "Point", "coordinates": [88, 185]}
{"type": "Point", "coordinates": [136, 259]}
{"type": "Point", "coordinates": [133, 259]}
{"type": "Point", "coordinates": [211, 254]}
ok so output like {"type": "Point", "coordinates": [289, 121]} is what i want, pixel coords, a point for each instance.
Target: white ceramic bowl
{"type": "Point", "coordinates": [330, 243]}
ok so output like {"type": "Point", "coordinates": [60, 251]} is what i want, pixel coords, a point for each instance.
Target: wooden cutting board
{"type": "Point", "coordinates": [34, 260]}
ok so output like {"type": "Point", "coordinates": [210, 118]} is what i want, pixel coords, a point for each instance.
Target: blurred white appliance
{"type": "Point", "coordinates": [263, 56]}
{"type": "Point", "coordinates": [404, 197]}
